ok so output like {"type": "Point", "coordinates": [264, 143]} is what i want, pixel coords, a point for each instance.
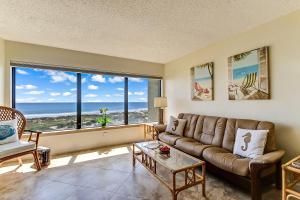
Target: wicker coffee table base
{"type": "Point", "coordinates": [190, 174]}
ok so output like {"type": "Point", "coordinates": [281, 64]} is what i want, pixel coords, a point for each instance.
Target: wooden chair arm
{"type": "Point", "coordinates": [31, 139]}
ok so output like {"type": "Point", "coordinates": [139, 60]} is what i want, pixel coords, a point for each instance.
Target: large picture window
{"type": "Point", "coordinates": [56, 100]}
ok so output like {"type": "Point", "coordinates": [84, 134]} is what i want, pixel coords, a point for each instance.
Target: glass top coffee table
{"type": "Point", "coordinates": [148, 154]}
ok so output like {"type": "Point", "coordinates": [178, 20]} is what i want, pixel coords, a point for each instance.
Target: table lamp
{"type": "Point", "coordinates": [161, 103]}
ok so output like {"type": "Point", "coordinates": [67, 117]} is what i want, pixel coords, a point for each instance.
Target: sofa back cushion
{"type": "Point", "coordinates": [191, 120]}
{"type": "Point", "coordinates": [233, 124]}
{"type": "Point", "coordinates": [221, 132]}
{"type": "Point", "coordinates": [210, 130]}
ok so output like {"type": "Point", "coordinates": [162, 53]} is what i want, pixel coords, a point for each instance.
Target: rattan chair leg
{"type": "Point", "coordinates": [36, 160]}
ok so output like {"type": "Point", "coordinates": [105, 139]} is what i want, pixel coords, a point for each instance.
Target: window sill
{"type": "Point", "coordinates": [84, 130]}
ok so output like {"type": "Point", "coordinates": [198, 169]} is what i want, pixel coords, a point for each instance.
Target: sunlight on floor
{"type": "Point", "coordinates": [67, 160]}
{"type": "Point", "coordinates": [96, 155]}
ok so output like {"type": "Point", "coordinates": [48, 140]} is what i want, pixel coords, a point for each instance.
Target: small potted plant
{"type": "Point", "coordinates": [103, 119]}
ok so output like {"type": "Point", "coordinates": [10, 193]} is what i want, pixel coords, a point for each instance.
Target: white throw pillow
{"type": "Point", "coordinates": [250, 143]}
{"type": "Point", "coordinates": [8, 131]}
{"type": "Point", "coordinates": [176, 126]}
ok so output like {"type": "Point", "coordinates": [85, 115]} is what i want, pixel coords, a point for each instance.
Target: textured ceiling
{"type": "Point", "coordinates": [150, 30]}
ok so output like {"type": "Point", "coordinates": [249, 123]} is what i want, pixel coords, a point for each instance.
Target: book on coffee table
{"type": "Point", "coordinates": [153, 145]}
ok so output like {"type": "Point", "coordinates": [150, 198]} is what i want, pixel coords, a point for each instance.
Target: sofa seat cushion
{"type": "Point", "coordinates": [227, 161]}
{"type": "Point", "coordinates": [168, 138]}
{"type": "Point", "coordinates": [15, 148]}
{"type": "Point", "coordinates": [190, 146]}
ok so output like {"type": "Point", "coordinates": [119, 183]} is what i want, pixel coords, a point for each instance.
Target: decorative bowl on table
{"type": "Point", "coordinates": [164, 150]}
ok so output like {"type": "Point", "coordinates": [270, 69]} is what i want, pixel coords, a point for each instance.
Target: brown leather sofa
{"type": "Point", "coordinates": [212, 139]}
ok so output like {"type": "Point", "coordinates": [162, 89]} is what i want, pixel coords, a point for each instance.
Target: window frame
{"type": "Point", "coordinates": [79, 73]}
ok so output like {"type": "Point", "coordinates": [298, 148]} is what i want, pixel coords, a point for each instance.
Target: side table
{"type": "Point", "coordinates": [150, 130]}
{"type": "Point", "coordinates": [44, 156]}
{"type": "Point", "coordinates": [290, 178]}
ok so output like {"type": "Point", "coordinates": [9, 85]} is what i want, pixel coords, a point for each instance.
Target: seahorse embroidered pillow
{"type": "Point", "coordinates": [176, 126]}
{"type": "Point", "coordinates": [250, 143]}
{"type": "Point", "coordinates": [8, 131]}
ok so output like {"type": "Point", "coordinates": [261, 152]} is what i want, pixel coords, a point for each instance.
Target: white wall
{"type": "Point", "coordinates": [283, 37]}
{"type": "Point", "coordinates": [2, 70]}
{"type": "Point", "coordinates": [88, 140]}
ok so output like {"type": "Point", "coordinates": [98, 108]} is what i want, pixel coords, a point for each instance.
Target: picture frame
{"type": "Point", "coordinates": [248, 75]}
{"type": "Point", "coordinates": [202, 82]}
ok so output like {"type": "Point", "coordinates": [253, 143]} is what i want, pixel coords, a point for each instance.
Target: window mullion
{"type": "Point", "coordinates": [126, 100]}
{"type": "Point", "coordinates": [78, 125]}
{"type": "Point", "coordinates": [13, 86]}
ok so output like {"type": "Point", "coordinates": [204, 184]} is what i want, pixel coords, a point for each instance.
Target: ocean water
{"type": "Point", "coordinates": [239, 73]}
{"type": "Point", "coordinates": [32, 110]}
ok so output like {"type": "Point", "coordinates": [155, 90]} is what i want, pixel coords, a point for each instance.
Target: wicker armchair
{"type": "Point", "coordinates": [19, 148]}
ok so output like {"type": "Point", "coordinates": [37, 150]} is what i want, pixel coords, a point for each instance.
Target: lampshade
{"type": "Point", "coordinates": [160, 102]}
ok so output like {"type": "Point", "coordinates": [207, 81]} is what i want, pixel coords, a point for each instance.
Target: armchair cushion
{"type": "Point", "coordinates": [8, 131]}
{"type": "Point", "coordinates": [268, 158]}
{"type": "Point", "coordinates": [15, 148]}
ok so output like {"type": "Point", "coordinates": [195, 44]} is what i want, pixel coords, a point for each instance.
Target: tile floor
{"type": "Point", "coordinates": [105, 173]}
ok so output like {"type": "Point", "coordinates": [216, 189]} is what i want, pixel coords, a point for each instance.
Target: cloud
{"type": "Point", "coordinates": [20, 71]}
{"type": "Point", "coordinates": [143, 99]}
{"type": "Point", "coordinates": [37, 70]}
{"type": "Point", "coordinates": [67, 94]}
{"type": "Point", "coordinates": [120, 89]}
{"type": "Point", "coordinates": [91, 95]}
{"type": "Point", "coordinates": [129, 93]}
{"type": "Point", "coordinates": [51, 99]}
{"type": "Point", "coordinates": [54, 94]}
{"type": "Point", "coordinates": [92, 87]}
{"type": "Point", "coordinates": [59, 76]}
{"type": "Point", "coordinates": [108, 95]}
{"type": "Point", "coordinates": [73, 89]}
{"type": "Point", "coordinates": [27, 87]}
{"type": "Point", "coordinates": [136, 79]}
{"type": "Point", "coordinates": [116, 79]}
{"type": "Point", "coordinates": [34, 92]}
{"type": "Point", "coordinates": [98, 78]}
{"type": "Point", "coordinates": [118, 95]}
{"type": "Point", "coordinates": [139, 93]}
{"type": "Point", "coordinates": [83, 80]}
{"type": "Point", "coordinates": [94, 100]}
{"type": "Point", "coordinates": [27, 100]}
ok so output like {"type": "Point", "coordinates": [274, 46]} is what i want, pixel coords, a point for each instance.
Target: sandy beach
{"type": "Point", "coordinates": [47, 124]}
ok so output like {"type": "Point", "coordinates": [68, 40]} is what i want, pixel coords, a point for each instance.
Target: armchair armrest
{"type": "Point", "coordinates": [31, 139]}
{"type": "Point", "coordinates": [268, 158]}
{"type": "Point", "coordinates": [159, 128]}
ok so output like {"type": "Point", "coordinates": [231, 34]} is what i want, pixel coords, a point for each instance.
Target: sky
{"type": "Point", "coordinates": [251, 59]}
{"type": "Point", "coordinates": [201, 72]}
{"type": "Point", "coordinates": [36, 85]}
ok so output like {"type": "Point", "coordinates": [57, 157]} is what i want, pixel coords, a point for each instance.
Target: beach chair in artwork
{"type": "Point", "coordinates": [248, 82]}
{"type": "Point", "coordinates": [18, 148]}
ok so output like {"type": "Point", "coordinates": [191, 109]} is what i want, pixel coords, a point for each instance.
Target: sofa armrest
{"type": "Point", "coordinates": [269, 158]}
{"type": "Point", "coordinates": [159, 128]}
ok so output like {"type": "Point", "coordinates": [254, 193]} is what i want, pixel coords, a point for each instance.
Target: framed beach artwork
{"type": "Point", "coordinates": [249, 75]}
{"type": "Point", "coordinates": [202, 82]}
